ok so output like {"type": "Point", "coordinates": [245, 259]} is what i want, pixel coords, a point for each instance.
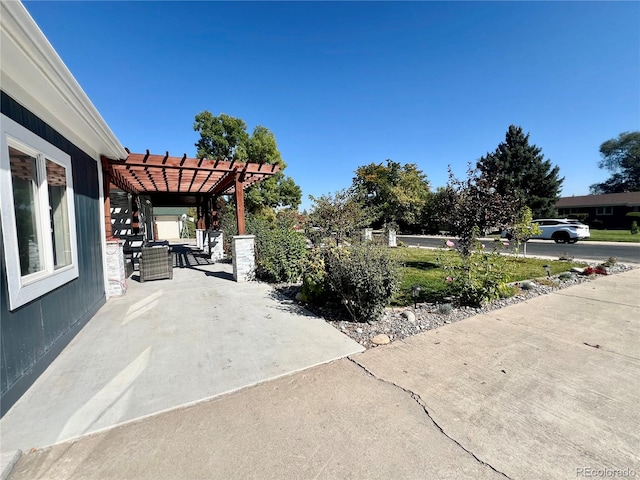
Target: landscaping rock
{"type": "Point", "coordinates": [410, 316]}
{"type": "Point", "coordinates": [381, 339]}
{"type": "Point", "coordinates": [396, 323]}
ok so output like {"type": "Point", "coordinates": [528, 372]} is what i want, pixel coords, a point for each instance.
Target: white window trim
{"type": "Point", "coordinates": [23, 290]}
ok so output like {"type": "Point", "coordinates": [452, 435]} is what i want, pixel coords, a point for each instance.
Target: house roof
{"type": "Point", "coordinates": [34, 75]}
{"type": "Point", "coordinates": [169, 211]}
{"type": "Point", "coordinates": [630, 199]}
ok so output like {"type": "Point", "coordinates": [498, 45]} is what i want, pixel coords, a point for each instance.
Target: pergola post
{"type": "Point", "coordinates": [240, 204]}
{"type": "Point", "coordinates": [106, 189]}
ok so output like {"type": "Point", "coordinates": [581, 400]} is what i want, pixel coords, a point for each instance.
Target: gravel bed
{"type": "Point", "coordinates": [401, 322]}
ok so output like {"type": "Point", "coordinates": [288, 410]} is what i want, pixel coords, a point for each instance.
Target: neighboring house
{"type": "Point", "coordinates": [52, 266]}
{"type": "Point", "coordinates": [601, 211]}
{"type": "Point", "coordinates": [169, 223]}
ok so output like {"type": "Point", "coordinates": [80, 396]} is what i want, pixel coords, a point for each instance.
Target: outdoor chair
{"type": "Point", "coordinates": [156, 263]}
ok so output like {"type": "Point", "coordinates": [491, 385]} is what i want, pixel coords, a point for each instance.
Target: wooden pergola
{"type": "Point", "coordinates": [182, 181]}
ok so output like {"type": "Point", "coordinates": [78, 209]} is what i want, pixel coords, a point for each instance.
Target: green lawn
{"type": "Point", "coordinates": [612, 236]}
{"type": "Point", "coordinates": [419, 267]}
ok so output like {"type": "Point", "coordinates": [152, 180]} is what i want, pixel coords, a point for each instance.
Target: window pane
{"type": "Point", "coordinates": [57, 183]}
{"type": "Point", "coordinates": [24, 178]}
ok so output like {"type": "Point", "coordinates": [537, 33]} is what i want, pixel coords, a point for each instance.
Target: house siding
{"type": "Point", "coordinates": [34, 334]}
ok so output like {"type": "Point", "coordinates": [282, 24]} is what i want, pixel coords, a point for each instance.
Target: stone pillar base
{"type": "Point", "coordinates": [244, 257]}
{"type": "Point", "coordinates": [216, 245]}
{"type": "Point", "coordinates": [199, 238]}
{"type": "Point", "coordinates": [392, 238]}
{"type": "Point", "coordinates": [116, 272]}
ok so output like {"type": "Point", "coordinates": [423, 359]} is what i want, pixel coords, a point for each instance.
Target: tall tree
{"type": "Point", "coordinates": [621, 156]}
{"type": "Point", "coordinates": [520, 168]}
{"type": "Point", "coordinates": [225, 137]}
{"type": "Point", "coordinates": [397, 194]}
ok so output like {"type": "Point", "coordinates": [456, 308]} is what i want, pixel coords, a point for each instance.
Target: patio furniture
{"type": "Point", "coordinates": [156, 263]}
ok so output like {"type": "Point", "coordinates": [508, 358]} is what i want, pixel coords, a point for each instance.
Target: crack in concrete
{"type": "Point", "coordinates": [422, 404]}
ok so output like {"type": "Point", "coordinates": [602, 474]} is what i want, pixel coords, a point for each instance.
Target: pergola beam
{"type": "Point", "coordinates": [150, 174]}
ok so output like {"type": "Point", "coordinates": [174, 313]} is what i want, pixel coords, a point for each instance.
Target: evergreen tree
{"type": "Point", "coordinates": [519, 168]}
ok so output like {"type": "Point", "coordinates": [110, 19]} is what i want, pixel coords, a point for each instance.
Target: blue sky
{"type": "Point", "coordinates": [346, 84]}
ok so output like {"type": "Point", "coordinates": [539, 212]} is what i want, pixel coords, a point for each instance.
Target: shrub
{"type": "Point", "coordinates": [280, 252]}
{"type": "Point", "coordinates": [634, 228]}
{"type": "Point", "coordinates": [527, 285]}
{"type": "Point", "coordinates": [363, 277]}
{"type": "Point", "coordinates": [479, 276]}
{"type": "Point", "coordinates": [507, 291]}
{"type": "Point", "coordinates": [314, 277]}
{"type": "Point", "coordinates": [610, 262]}
{"type": "Point", "coordinates": [445, 308]}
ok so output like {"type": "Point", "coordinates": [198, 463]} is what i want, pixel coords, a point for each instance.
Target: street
{"type": "Point", "coordinates": [598, 251]}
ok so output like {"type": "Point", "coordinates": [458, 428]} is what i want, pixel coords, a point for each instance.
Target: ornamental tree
{"type": "Point", "coordinates": [472, 206]}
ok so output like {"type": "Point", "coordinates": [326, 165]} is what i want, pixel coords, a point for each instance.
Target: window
{"type": "Point", "coordinates": [604, 211]}
{"type": "Point", "coordinates": [38, 220]}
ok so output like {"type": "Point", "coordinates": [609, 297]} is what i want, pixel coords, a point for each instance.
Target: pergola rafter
{"type": "Point", "coordinates": [195, 180]}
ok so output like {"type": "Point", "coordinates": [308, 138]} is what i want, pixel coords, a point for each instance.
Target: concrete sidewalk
{"type": "Point", "coordinates": [547, 388]}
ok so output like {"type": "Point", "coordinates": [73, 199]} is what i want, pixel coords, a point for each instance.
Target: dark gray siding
{"type": "Point", "coordinates": [34, 334]}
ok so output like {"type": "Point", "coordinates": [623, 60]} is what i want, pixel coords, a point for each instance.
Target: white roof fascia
{"type": "Point", "coordinates": [34, 75]}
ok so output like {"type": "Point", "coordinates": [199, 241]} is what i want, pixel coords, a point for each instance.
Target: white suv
{"type": "Point", "coordinates": [559, 230]}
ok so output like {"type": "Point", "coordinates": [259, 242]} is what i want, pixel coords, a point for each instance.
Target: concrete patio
{"type": "Point", "coordinates": [165, 344]}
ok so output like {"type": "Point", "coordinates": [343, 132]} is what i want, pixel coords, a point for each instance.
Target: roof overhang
{"type": "Point", "coordinates": [34, 75]}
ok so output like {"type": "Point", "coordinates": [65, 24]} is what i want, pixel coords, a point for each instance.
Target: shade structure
{"type": "Point", "coordinates": [169, 180]}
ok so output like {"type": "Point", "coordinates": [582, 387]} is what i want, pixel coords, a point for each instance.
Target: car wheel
{"type": "Point", "coordinates": [572, 240]}
{"type": "Point", "coordinates": [561, 237]}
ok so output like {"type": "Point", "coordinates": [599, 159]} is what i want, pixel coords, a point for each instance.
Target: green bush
{"type": "Point", "coordinates": [634, 228]}
{"type": "Point", "coordinates": [364, 278]}
{"type": "Point", "coordinates": [527, 285]}
{"type": "Point", "coordinates": [479, 276]}
{"type": "Point", "coordinates": [445, 309]}
{"type": "Point", "coordinates": [313, 280]}
{"type": "Point", "coordinates": [280, 252]}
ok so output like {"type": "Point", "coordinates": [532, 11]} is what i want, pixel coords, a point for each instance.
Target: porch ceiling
{"type": "Point", "coordinates": [146, 173]}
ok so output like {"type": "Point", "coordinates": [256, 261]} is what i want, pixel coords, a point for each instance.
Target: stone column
{"type": "Point", "coordinates": [244, 257]}
{"type": "Point", "coordinates": [116, 273]}
{"type": "Point", "coordinates": [392, 238]}
{"type": "Point", "coordinates": [367, 234]}
{"type": "Point", "coordinates": [199, 238]}
{"type": "Point", "coordinates": [216, 245]}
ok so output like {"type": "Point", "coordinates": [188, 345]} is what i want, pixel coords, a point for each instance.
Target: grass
{"type": "Point", "coordinates": [419, 267]}
{"type": "Point", "coordinates": [612, 236]}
